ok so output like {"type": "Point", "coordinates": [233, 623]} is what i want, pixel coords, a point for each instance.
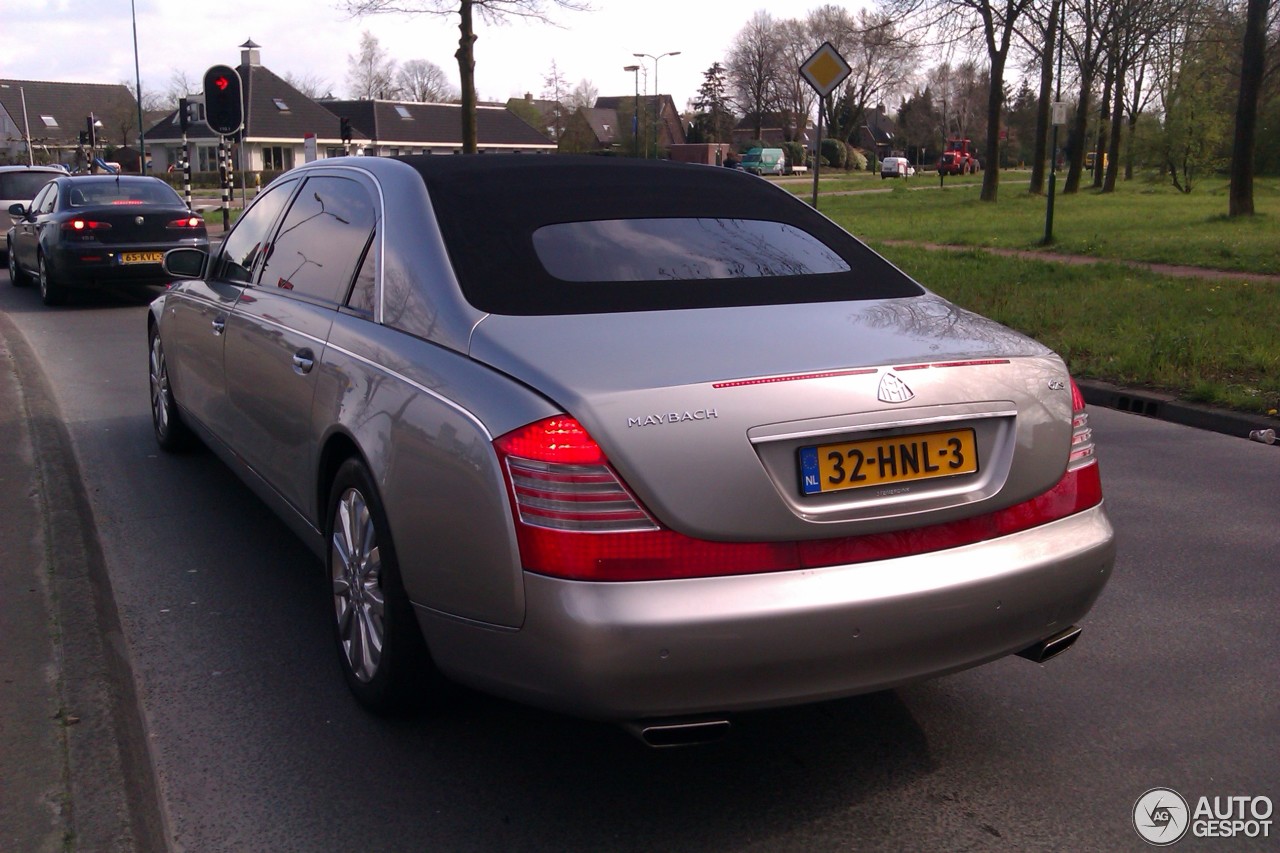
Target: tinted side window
{"type": "Point", "coordinates": [246, 243]}
{"type": "Point", "coordinates": [322, 239]}
{"type": "Point", "coordinates": [44, 202]}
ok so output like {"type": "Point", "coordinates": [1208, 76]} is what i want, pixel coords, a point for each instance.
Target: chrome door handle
{"type": "Point", "coordinates": [303, 361]}
{"type": "Point", "coordinates": [219, 324]}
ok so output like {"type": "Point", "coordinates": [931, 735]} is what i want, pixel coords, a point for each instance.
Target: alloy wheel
{"type": "Point", "coordinates": [358, 600]}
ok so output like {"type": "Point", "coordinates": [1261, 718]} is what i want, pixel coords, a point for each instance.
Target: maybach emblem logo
{"type": "Point", "coordinates": [893, 389]}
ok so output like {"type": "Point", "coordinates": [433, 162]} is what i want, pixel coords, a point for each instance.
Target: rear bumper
{"type": "Point", "coordinates": [670, 648]}
{"type": "Point", "coordinates": [85, 266]}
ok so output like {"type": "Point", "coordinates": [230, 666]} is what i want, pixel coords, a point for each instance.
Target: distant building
{"type": "Point", "coordinates": [279, 120]}
{"type": "Point", "coordinates": [392, 128]}
{"type": "Point", "coordinates": [654, 111]}
{"type": "Point", "coordinates": [57, 113]}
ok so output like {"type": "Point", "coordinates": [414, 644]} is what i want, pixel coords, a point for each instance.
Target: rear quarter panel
{"type": "Point", "coordinates": [425, 417]}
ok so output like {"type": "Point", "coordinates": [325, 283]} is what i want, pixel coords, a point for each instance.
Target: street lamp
{"type": "Point", "coordinates": [656, 91]}
{"type": "Point", "coordinates": [635, 109]}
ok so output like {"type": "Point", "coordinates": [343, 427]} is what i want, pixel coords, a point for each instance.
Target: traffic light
{"type": "Point", "coordinates": [91, 135]}
{"type": "Point", "coordinates": [84, 138]}
{"type": "Point", "coordinates": [184, 117]}
{"type": "Point", "coordinates": [223, 111]}
{"type": "Point", "coordinates": [345, 129]}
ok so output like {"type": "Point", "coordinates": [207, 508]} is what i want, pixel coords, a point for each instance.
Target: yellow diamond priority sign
{"type": "Point", "coordinates": [825, 70]}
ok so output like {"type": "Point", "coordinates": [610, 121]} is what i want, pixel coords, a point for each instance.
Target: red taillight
{"type": "Point", "coordinates": [81, 225]}
{"type": "Point", "coordinates": [1082, 451]}
{"type": "Point", "coordinates": [187, 222]}
{"type": "Point", "coordinates": [575, 519]}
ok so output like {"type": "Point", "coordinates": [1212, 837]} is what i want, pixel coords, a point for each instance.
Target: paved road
{"type": "Point", "coordinates": [256, 746]}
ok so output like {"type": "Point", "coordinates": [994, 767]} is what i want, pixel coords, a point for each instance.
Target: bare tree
{"type": "Point", "coordinates": [993, 23]}
{"type": "Point", "coordinates": [556, 90]}
{"type": "Point", "coordinates": [755, 68]}
{"type": "Point", "coordinates": [424, 81]}
{"type": "Point", "coordinates": [795, 97]}
{"type": "Point", "coordinates": [312, 85]}
{"type": "Point", "coordinates": [180, 85]}
{"type": "Point", "coordinates": [881, 60]}
{"type": "Point", "coordinates": [583, 95]}
{"type": "Point", "coordinates": [371, 73]}
{"type": "Point", "coordinates": [489, 11]}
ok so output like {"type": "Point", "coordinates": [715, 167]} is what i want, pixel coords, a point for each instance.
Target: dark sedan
{"type": "Point", "coordinates": [86, 231]}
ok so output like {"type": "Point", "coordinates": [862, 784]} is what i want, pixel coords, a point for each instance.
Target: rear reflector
{"type": "Point", "coordinates": [580, 522]}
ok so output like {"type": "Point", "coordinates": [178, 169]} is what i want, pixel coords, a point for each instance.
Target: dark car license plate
{"type": "Point", "coordinates": [141, 257]}
{"type": "Point", "coordinates": [886, 461]}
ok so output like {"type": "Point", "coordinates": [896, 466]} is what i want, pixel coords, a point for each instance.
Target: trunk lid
{"type": "Point", "coordinates": [711, 416]}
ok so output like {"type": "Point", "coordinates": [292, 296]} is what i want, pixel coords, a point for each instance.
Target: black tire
{"type": "Point", "coordinates": [171, 433]}
{"type": "Point", "coordinates": [380, 647]}
{"type": "Point", "coordinates": [16, 276]}
{"type": "Point", "coordinates": [52, 291]}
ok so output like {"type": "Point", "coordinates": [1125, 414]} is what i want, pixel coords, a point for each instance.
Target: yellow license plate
{"type": "Point", "coordinates": [887, 461]}
{"type": "Point", "coordinates": [141, 257]}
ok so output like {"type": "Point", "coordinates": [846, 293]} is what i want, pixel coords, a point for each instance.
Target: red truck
{"type": "Point", "coordinates": [959, 158]}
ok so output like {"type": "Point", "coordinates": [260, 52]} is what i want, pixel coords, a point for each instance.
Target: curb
{"type": "Point", "coordinates": [1166, 407]}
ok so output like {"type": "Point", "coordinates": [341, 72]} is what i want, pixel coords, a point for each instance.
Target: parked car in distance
{"type": "Point", "coordinates": [1091, 157]}
{"type": "Point", "coordinates": [19, 184]}
{"type": "Point", "coordinates": [654, 456]}
{"type": "Point", "coordinates": [765, 161]}
{"type": "Point", "coordinates": [896, 167]}
{"type": "Point", "coordinates": [83, 231]}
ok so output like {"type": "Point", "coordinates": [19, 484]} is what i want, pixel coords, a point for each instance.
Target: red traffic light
{"type": "Point", "coordinates": [222, 83]}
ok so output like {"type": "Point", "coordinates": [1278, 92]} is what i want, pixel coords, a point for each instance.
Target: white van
{"type": "Point", "coordinates": [896, 167]}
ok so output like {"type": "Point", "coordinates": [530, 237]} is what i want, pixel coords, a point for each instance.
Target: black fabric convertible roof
{"type": "Point", "coordinates": [490, 206]}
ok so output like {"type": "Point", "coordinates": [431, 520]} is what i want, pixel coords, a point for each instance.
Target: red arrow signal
{"type": "Point", "coordinates": [222, 83]}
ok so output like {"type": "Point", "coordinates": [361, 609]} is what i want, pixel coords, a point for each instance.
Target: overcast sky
{"type": "Point", "coordinates": [91, 41]}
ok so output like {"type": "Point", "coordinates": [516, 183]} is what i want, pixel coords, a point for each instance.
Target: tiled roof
{"type": "Point", "coordinates": [603, 123]}
{"type": "Point", "coordinates": [274, 110]}
{"type": "Point", "coordinates": [412, 123]}
{"type": "Point", "coordinates": [56, 112]}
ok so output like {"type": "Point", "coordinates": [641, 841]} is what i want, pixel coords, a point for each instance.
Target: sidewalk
{"type": "Point", "coordinates": [74, 770]}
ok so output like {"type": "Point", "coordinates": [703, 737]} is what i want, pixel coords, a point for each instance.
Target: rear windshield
{"type": "Point", "coordinates": [23, 186]}
{"type": "Point", "coordinates": [616, 250]}
{"type": "Point", "coordinates": [575, 235]}
{"type": "Point", "coordinates": [110, 191]}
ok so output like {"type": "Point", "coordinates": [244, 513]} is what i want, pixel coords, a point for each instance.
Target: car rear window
{"type": "Point", "coordinates": [23, 185]}
{"type": "Point", "coordinates": [572, 235]}
{"type": "Point", "coordinates": [110, 191]}
{"type": "Point", "coordinates": [615, 250]}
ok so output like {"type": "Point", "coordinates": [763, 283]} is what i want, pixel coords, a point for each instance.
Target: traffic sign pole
{"type": "Point", "coordinates": [823, 71]}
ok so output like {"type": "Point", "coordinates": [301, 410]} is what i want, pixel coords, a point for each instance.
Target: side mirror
{"type": "Point", "coordinates": [185, 262]}
{"type": "Point", "coordinates": [18, 210]}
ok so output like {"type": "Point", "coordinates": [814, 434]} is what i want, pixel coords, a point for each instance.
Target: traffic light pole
{"type": "Point", "coordinates": [224, 164]}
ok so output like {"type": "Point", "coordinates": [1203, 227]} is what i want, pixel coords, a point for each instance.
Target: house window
{"type": "Point", "coordinates": [280, 105]}
{"type": "Point", "coordinates": [403, 112]}
{"type": "Point", "coordinates": [49, 121]}
{"type": "Point", "coordinates": [277, 158]}
{"type": "Point", "coordinates": [207, 158]}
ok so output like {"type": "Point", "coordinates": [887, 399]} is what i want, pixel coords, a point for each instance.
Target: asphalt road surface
{"type": "Point", "coordinates": [256, 746]}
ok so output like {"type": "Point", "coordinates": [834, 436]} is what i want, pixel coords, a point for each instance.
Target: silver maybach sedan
{"type": "Point", "coordinates": [631, 440]}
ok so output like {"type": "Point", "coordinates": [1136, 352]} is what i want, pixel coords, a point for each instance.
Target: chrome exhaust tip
{"type": "Point", "coordinates": [1052, 646]}
{"type": "Point", "coordinates": [667, 734]}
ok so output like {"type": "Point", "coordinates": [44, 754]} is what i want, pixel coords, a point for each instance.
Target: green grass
{"type": "Point", "coordinates": [1215, 342]}
{"type": "Point", "coordinates": [1210, 340]}
{"type": "Point", "coordinates": [1141, 221]}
